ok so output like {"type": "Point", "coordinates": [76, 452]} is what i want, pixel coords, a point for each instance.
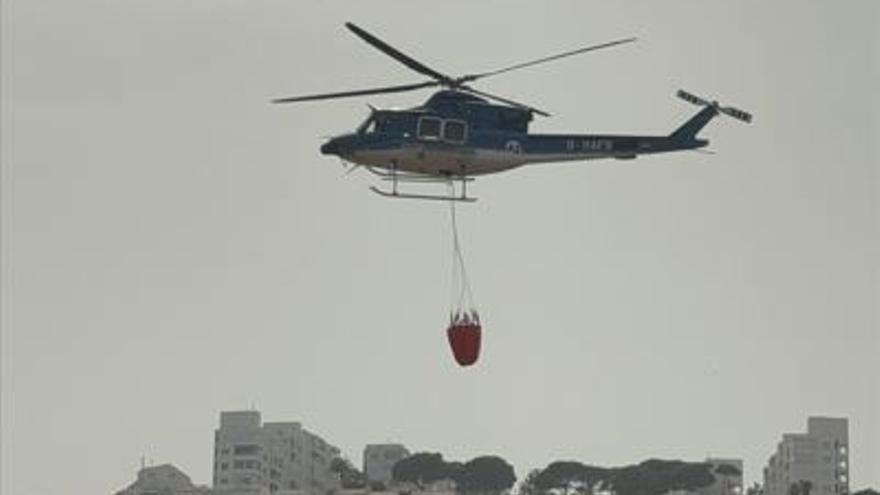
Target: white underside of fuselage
{"type": "Point", "coordinates": [421, 160]}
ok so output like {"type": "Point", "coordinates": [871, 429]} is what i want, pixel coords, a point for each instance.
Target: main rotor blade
{"type": "Point", "coordinates": [360, 92]}
{"type": "Point", "coordinates": [504, 100]}
{"type": "Point", "coordinates": [397, 55]}
{"type": "Point", "coordinates": [474, 77]}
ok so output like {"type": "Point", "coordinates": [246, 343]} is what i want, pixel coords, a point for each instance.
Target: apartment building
{"type": "Point", "coordinates": [379, 459]}
{"type": "Point", "coordinates": [277, 457]}
{"type": "Point", "coordinates": [819, 458]}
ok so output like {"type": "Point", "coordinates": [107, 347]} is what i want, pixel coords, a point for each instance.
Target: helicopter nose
{"type": "Point", "coordinates": [330, 147]}
{"type": "Point", "coordinates": [339, 145]}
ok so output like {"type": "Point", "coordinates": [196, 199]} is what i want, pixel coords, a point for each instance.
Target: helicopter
{"type": "Point", "coordinates": [461, 132]}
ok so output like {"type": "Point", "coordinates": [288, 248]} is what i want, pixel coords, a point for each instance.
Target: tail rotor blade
{"type": "Point", "coordinates": [696, 100]}
{"type": "Point", "coordinates": [737, 114]}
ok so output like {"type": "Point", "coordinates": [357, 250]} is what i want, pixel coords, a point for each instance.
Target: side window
{"type": "Point", "coordinates": [455, 131]}
{"type": "Point", "coordinates": [429, 128]}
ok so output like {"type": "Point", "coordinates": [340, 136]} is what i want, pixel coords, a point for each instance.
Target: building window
{"type": "Point", "coordinates": [224, 466]}
{"type": "Point", "coordinates": [246, 449]}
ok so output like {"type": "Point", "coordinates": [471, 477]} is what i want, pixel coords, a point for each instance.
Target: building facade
{"type": "Point", "coordinates": [273, 457]}
{"type": "Point", "coordinates": [818, 458]}
{"type": "Point", "coordinates": [379, 459]}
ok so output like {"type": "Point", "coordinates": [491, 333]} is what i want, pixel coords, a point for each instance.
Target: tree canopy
{"type": "Point", "coordinates": [349, 475]}
{"type": "Point", "coordinates": [801, 487]}
{"type": "Point", "coordinates": [421, 469]}
{"type": "Point", "coordinates": [569, 475]}
{"type": "Point", "coordinates": [652, 477]}
{"type": "Point", "coordinates": [655, 477]}
{"type": "Point", "coordinates": [486, 474]}
{"type": "Point", "coordinates": [728, 470]}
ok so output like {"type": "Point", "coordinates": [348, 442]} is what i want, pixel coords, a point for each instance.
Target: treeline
{"type": "Point", "coordinates": [484, 474]}
{"type": "Point", "coordinates": [494, 475]}
{"type": "Point", "coordinates": [652, 477]}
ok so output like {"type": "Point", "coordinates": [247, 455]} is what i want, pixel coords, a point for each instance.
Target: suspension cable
{"type": "Point", "coordinates": [465, 295]}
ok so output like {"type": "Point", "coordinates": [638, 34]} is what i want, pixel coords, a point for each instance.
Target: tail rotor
{"type": "Point", "coordinates": [734, 112]}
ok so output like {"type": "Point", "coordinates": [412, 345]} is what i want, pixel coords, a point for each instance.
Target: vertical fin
{"type": "Point", "coordinates": [688, 131]}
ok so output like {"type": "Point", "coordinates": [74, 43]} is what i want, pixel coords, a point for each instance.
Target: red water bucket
{"type": "Point", "coordinates": [464, 338]}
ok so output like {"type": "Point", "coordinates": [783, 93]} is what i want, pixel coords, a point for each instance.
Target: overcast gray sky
{"type": "Point", "coordinates": [173, 245]}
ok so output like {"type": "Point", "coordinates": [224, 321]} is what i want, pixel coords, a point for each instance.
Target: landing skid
{"type": "Point", "coordinates": [431, 197]}
{"type": "Point", "coordinates": [396, 177]}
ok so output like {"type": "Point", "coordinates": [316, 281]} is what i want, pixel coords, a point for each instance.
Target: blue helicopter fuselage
{"type": "Point", "coordinates": [459, 134]}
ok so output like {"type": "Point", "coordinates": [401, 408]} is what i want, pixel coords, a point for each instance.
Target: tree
{"type": "Point", "coordinates": [652, 477]}
{"type": "Point", "coordinates": [757, 489]}
{"type": "Point", "coordinates": [571, 476]}
{"type": "Point", "coordinates": [801, 487]}
{"type": "Point", "coordinates": [728, 470]}
{"type": "Point", "coordinates": [655, 477]}
{"type": "Point", "coordinates": [486, 474]}
{"type": "Point", "coordinates": [421, 469]}
{"type": "Point", "coordinates": [528, 485]}
{"type": "Point", "coordinates": [348, 474]}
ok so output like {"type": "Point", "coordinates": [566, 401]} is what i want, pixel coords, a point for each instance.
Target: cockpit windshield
{"type": "Point", "coordinates": [374, 123]}
{"type": "Point", "coordinates": [369, 125]}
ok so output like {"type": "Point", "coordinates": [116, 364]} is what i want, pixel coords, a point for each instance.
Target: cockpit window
{"type": "Point", "coordinates": [369, 125]}
{"type": "Point", "coordinates": [454, 130]}
{"type": "Point", "coordinates": [374, 123]}
{"type": "Point", "coordinates": [429, 128]}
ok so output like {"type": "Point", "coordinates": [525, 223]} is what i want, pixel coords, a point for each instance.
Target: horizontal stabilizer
{"type": "Point", "coordinates": [729, 111]}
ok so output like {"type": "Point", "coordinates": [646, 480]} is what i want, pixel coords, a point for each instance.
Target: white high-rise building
{"type": "Point", "coordinates": [379, 459]}
{"type": "Point", "coordinates": [819, 457]}
{"type": "Point", "coordinates": [275, 457]}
